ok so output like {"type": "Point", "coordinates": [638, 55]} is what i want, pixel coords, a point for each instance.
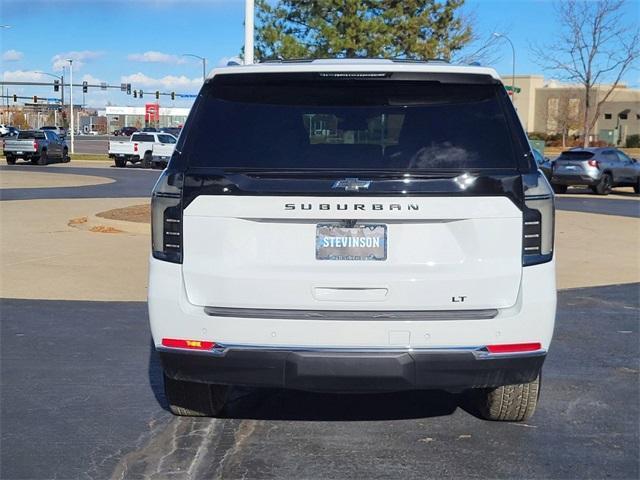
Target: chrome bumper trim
{"type": "Point", "coordinates": [293, 314]}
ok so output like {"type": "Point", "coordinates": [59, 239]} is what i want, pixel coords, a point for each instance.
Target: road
{"type": "Point", "coordinates": [82, 397]}
{"type": "Point", "coordinates": [98, 144]}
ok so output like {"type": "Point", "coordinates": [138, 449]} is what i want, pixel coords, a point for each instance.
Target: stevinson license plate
{"type": "Point", "coordinates": [362, 242]}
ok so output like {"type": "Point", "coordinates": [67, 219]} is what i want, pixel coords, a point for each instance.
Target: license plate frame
{"type": "Point", "coordinates": [365, 242]}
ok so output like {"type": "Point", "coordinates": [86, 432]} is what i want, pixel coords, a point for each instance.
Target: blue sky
{"type": "Point", "coordinates": [141, 41]}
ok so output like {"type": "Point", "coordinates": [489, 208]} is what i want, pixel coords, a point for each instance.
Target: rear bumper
{"type": "Point", "coordinates": [574, 180]}
{"type": "Point", "coordinates": [352, 371]}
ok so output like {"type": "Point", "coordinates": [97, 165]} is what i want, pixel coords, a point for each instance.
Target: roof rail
{"type": "Point", "coordinates": [415, 60]}
{"type": "Point", "coordinates": [395, 60]}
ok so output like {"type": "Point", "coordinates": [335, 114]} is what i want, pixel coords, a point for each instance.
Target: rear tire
{"type": "Point", "coordinates": [65, 156]}
{"type": "Point", "coordinates": [121, 162]}
{"type": "Point", "coordinates": [191, 399]}
{"type": "Point", "coordinates": [560, 188]}
{"type": "Point", "coordinates": [604, 185]}
{"type": "Point", "coordinates": [509, 403]}
{"type": "Point", "coordinates": [146, 160]}
{"type": "Point", "coordinates": [11, 160]}
{"type": "Point", "coordinates": [44, 158]}
{"type": "Point", "coordinates": [636, 187]}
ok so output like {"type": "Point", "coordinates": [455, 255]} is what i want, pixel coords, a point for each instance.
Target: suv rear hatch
{"type": "Point", "coordinates": [325, 192]}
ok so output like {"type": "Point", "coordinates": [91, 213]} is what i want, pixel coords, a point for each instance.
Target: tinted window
{"type": "Point", "coordinates": [349, 124]}
{"type": "Point", "coordinates": [166, 139]}
{"type": "Point", "coordinates": [141, 137]}
{"type": "Point", "coordinates": [27, 135]}
{"type": "Point", "coordinates": [576, 155]}
{"type": "Point", "coordinates": [622, 156]}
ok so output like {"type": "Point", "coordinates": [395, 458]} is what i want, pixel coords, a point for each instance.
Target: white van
{"type": "Point", "coordinates": [353, 225]}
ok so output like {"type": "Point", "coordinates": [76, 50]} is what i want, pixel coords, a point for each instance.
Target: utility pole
{"type": "Point", "coordinates": [248, 32]}
{"type": "Point", "coordinates": [73, 132]}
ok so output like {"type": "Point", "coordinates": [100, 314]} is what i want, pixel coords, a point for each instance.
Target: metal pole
{"type": "Point", "coordinates": [204, 69]}
{"type": "Point", "coordinates": [73, 133]}
{"type": "Point", "coordinates": [248, 32]}
{"type": "Point", "coordinates": [513, 74]}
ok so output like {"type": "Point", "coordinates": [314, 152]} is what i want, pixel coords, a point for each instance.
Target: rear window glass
{"type": "Point", "coordinates": [26, 135]}
{"type": "Point", "coordinates": [349, 124]}
{"type": "Point", "coordinates": [141, 137]}
{"type": "Point", "coordinates": [576, 155]}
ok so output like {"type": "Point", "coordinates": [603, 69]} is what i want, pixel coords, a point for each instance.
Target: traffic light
{"type": "Point", "coordinates": [35, 99]}
{"type": "Point", "coordinates": [135, 94]}
{"type": "Point", "coordinates": [85, 87]}
{"type": "Point", "coordinates": [56, 85]}
{"type": "Point", "coordinates": [157, 95]}
{"type": "Point", "coordinates": [141, 92]}
{"type": "Point", "coordinates": [128, 89]}
{"type": "Point", "coordinates": [15, 97]}
{"type": "Point", "coordinates": [173, 95]}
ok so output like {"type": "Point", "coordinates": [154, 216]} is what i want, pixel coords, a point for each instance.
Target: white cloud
{"type": "Point", "coordinates": [12, 56]}
{"type": "Point", "coordinates": [155, 57]}
{"type": "Point", "coordinates": [79, 59]}
{"type": "Point", "coordinates": [169, 83]}
{"type": "Point", "coordinates": [91, 79]}
{"type": "Point", "coordinates": [23, 76]}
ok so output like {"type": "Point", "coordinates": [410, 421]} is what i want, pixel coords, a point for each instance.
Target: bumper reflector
{"type": "Point", "coordinates": [188, 344]}
{"type": "Point", "coordinates": [514, 348]}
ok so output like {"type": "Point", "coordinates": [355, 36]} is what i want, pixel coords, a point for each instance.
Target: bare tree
{"type": "Point", "coordinates": [564, 110]}
{"type": "Point", "coordinates": [594, 45]}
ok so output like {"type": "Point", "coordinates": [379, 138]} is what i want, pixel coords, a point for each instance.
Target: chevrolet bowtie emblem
{"type": "Point", "coordinates": [351, 184]}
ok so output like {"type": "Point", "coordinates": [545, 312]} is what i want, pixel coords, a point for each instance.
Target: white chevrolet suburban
{"type": "Point", "coordinates": [353, 226]}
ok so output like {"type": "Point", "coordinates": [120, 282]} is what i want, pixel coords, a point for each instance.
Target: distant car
{"type": "Point", "coordinates": [149, 129]}
{"type": "Point", "coordinates": [544, 163]}
{"type": "Point", "coordinates": [125, 131]}
{"type": "Point", "coordinates": [60, 131]}
{"type": "Point", "coordinates": [37, 146]}
{"type": "Point", "coordinates": [8, 131]}
{"type": "Point", "coordinates": [600, 169]}
{"type": "Point", "coordinates": [175, 131]}
{"type": "Point", "coordinates": [148, 148]}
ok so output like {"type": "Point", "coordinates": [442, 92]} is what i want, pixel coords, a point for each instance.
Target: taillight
{"type": "Point", "coordinates": [538, 220]}
{"type": "Point", "coordinates": [35, 145]}
{"type": "Point", "coordinates": [514, 347]}
{"type": "Point", "coordinates": [135, 147]}
{"type": "Point", "coordinates": [594, 163]}
{"type": "Point", "coordinates": [166, 217]}
{"type": "Point", "coordinates": [187, 344]}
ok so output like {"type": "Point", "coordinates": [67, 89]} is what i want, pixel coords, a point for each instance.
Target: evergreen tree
{"type": "Point", "coordinates": [415, 29]}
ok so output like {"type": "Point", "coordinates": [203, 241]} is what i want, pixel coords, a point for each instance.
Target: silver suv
{"type": "Point", "coordinates": [599, 168]}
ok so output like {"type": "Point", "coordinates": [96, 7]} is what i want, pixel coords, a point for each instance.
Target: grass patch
{"type": "Point", "coordinates": [90, 157]}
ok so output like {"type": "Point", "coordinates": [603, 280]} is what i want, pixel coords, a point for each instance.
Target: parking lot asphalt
{"type": "Point", "coordinates": [138, 182]}
{"type": "Point", "coordinates": [82, 398]}
{"type": "Point", "coordinates": [128, 182]}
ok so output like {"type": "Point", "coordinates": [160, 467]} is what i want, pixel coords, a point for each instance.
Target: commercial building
{"type": "Point", "coordinates": [151, 114]}
{"type": "Point", "coordinates": [552, 107]}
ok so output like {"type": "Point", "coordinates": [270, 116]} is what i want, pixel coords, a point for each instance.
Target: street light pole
{"type": "Point", "coordinates": [204, 64]}
{"type": "Point", "coordinates": [513, 75]}
{"type": "Point", "coordinates": [73, 132]}
{"type": "Point", "coordinates": [248, 31]}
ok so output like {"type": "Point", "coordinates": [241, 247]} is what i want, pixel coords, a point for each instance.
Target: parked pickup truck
{"type": "Point", "coordinates": [149, 148]}
{"type": "Point", "coordinates": [40, 147]}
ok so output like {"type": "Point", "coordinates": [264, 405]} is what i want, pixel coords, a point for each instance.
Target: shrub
{"type": "Point", "coordinates": [633, 141]}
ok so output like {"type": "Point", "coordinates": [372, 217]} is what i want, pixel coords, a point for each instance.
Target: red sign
{"type": "Point", "coordinates": [152, 112]}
